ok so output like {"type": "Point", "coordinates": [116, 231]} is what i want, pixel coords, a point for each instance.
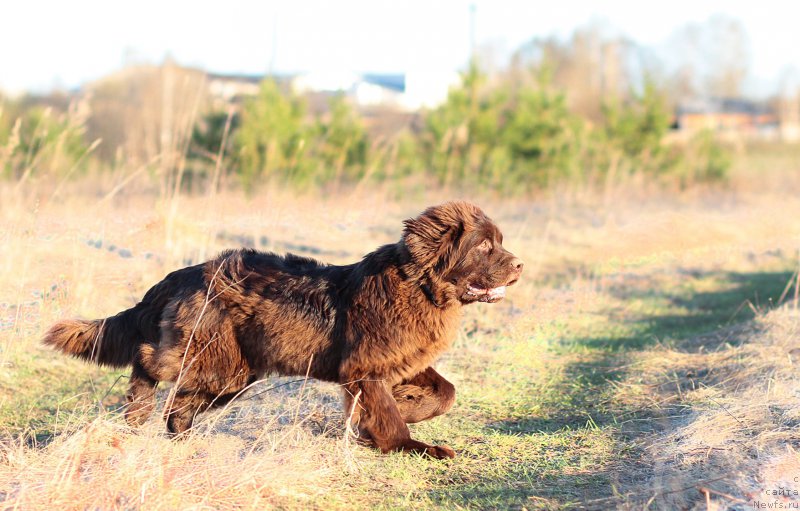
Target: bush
{"type": "Point", "coordinates": [454, 132]}
{"type": "Point", "coordinates": [42, 141]}
{"type": "Point", "coordinates": [521, 134]}
{"type": "Point", "coordinates": [340, 150]}
{"type": "Point", "coordinates": [209, 134]}
{"type": "Point", "coordinates": [542, 138]}
{"type": "Point", "coordinates": [278, 140]}
{"type": "Point", "coordinates": [507, 138]}
{"type": "Point", "coordinates": [272, 139]}
{"type": "Point", "coordinates": [706, 160]}
{"type": "Point", "coordinates": [513, 134]}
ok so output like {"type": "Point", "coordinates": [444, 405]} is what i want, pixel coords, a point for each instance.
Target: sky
{"type": "Point", "coordinates": [62, 44]}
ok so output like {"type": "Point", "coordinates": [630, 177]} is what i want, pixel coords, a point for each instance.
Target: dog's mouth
{"type": "Point", "coordinates": [489, 295]}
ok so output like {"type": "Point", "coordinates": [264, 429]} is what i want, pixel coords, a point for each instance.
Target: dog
{"type": "Point", "coordinates": [374, 327]}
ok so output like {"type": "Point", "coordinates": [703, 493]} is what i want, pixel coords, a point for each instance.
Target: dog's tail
{"type": "Point", "coordinates": [111, 342]}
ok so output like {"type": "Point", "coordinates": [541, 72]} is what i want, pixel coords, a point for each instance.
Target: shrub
{"type": "Point", "coordinates": [272, 139]}
{"type": "Point", "coordinates": [705, 160]}
{"type": "Point", "coordinates": [42, 141]}
{"type": "Point", "coordinates": [505, 137]}
{"type": "Point", "coordinates": [542, 137]}
{"type": "Point", "coordinates": [340, 150]}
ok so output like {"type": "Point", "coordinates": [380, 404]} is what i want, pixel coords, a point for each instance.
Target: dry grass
{"type": "Point", "coordinates": [624, 370]}
{"type": "Point", "coordinates": [726, 411]}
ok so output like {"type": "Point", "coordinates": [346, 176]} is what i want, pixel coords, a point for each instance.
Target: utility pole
{"type": "Point", "coordinates": [274, 51]}
{"type": "Point", "coordinates": [473, 55]}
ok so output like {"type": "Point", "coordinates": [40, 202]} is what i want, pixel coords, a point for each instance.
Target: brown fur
{"type": "Point", "coordinates": [374, 326]}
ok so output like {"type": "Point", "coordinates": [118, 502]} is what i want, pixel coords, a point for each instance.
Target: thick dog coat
{"type": "Point", "coordinates": [374, 327]}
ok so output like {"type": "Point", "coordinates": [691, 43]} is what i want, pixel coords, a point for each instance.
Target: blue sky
{"type": "Point", "coordinates": [47, 44]}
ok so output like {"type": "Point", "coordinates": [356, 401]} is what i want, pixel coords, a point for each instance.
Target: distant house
{"type": "Point", "coordinates": [734, 116]}
{"type": "Point", "coordinates": [380, 90]}
{"type": "Point", "coordinates": [409, 91]}
{"type": "Point", "coordinates": [232, 86]}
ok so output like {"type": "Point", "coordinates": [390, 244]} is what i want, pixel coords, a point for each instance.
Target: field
{"type": "Point", "coordinates": [648, 358]}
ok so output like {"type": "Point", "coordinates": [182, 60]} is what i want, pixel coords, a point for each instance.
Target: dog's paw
{"type": "Point", "coordinates": [440, 452]}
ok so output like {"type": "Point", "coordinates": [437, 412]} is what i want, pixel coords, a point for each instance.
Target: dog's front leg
{"type": "Point", "coordinates": [375, 411]}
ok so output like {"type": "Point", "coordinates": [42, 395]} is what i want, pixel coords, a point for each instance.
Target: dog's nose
{"type": "Point", "coordinates": [517, 264]}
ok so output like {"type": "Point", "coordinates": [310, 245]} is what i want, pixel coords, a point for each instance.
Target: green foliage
{"type": "Point", "coordinates": [341, 148]}
{"type": "Point", "coordinates": [518, 136]}
{"type": "Point", "coordinates": [542, 137]}
{"type": "Point", "coordinates": [272, 139]}
{"type": "Point", "coordinates": [503, 137]}
{"type": "Point", "coordinates": [706, 160]}
{"type": "Point", "coordinates": [638, 127]}
{"type": "Point", "coordinates": [513, 134]}
{"type": "Point", "coordinates": [41, 141]}
{"type": "Point", "coordinates": [212, 150]}
{"type": "Point", "coordinates": [632, 135]}
{"type": "Point", "coordinates": [210, 133]}
{"type": "Point", "coordinates": [277, 139]}
{"type": "Point", "coordinates": [635, 133]}
{"type": "Point", "coordinates": [451, 134]}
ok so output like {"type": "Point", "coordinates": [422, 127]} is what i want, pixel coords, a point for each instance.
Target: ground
{"type": "Point", "coordinates": [646, 359]}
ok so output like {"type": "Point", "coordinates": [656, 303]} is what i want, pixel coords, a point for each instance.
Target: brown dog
{"type": "Point", "coordinates": [374, 326]}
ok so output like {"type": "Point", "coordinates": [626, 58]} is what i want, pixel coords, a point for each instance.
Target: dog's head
{"type": "Point", "coordinates": [461, 250]}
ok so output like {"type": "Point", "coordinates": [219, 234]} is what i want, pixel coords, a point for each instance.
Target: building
{"type": "Point", "coordinates": [731, 116]}
{"type": "Point", "coordinates": [403, 91]}
{"type": "Point", "coordinates": [230, 87]}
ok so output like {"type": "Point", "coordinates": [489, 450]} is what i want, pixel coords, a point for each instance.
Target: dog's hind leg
{"type": "Point", "coordinates": [141, 395]}
{"type": "Point", "coordinates": [424, 396]}
{"type": "Point", "coordinates": [185, 405]}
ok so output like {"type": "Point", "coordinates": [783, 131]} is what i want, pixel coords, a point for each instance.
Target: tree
{"type": "Point", "coordinates": [638, 127]}
{"type": "Point", "coordinates": [541, 134]}
{"type": "Point", "coordinates": [211, 132]}
{"type": "Point", "coordinates": [593, 66]}
{"type": "Point", "coordinates": [342, 141]}
{"type": "Point", "coordinates": [710, 58]}
{"type": "Point", "coordinates": [273, 136]}
{"type": "Point", "coordinates": [461, 133]}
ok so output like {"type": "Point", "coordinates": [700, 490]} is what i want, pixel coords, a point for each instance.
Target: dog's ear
{"type": "Point", "coordinates": [433, 237]}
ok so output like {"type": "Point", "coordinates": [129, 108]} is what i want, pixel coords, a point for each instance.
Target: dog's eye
{"type": "Point", "coordinates": [485, 246]}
